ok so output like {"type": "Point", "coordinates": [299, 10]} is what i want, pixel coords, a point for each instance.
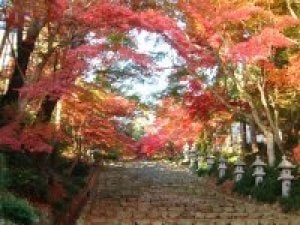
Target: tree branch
{"type": "Point", "coordinates": [289, 6]}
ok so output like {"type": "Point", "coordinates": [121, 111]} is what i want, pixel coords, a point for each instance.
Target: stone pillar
{"type": "Point", "coordinates": [200, 161]}
{"type": "Point", "coordinates": [259, 172]}
{"type": "Point", "coordinates": [239, 170]}
{"type": "Point", "coordinates": [193, 157]}
{"type": "Point", "coordinates": [186, 154]}
{"type": "Point", "coordinates": [210, 160]}
{"type": "Point", "coordinates": [222, 167]}
{"type": "Point", "coordinates": [286, 176]}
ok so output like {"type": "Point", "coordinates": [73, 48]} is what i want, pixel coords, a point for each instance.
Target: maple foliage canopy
{"type": "Point", "coordinates": [181, 122]}
{"type": "Point", "coordinates": [237, 43]}
{"type": "Point", "coordinates": [92, 115]}
{"type": "Point", "coordinates": [74, 33]}
{"type": "Point", "coordinates": [247, 53]}
{"type": "Point", "coordinates": [174, 125]}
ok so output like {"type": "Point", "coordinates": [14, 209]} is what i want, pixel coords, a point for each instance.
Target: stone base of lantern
{"type": "Point", "coordinates": [258, 180]}
{"type": "Point", "coordinates": [193, 165]}
{"type": "Point", "coordinates": [222, 173]}
{"type": "Point", "coordinates": [286, 188]}
{"type": "Point", "coordinates": [238, 177]}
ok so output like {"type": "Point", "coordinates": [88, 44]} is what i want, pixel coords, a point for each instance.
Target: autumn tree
{"type": "Point", "coordinates": [244, 41]}
{"type": "Point", "coordinates": [192, 115]}
{"type": "Point", "coordinates": [60, 38]}
{"type": "Point", "coordinates": [174, 125]}
{"type": "Point", "coordinates": [89, 119]}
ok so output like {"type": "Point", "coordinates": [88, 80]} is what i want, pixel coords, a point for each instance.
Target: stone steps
{"type": "Point", "coordinates": [150, 194]}
{"type": "Point", "coordinates": [193, 222]}
{"type": "Point", "coordinates": [172, 214]}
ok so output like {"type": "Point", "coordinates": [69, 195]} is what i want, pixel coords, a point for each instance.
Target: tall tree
{"type": "Point", "coordinates": [242, 38]}
{"type": "Point", "coordinates": [63, 39]}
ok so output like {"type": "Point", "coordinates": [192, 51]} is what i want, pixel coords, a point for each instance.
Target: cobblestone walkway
{"type": "Point", "coordinates": [156, 193]}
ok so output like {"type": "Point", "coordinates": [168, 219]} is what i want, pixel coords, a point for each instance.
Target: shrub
{"type": "Point", "coordinates": [79, 181]}
{"type": "Point", "coordinates": [60, 163]}
{"type": "Point", "coordinates": [72, 188]}
{"type": "Point", "coordinates": [112, 155]}
{"type": "Point", "coordinates": [270, 188]}
{"type": "Point", "coordinates": [246, 184]}
{"type": "Point", "coordinates": [4, 176]}
{"type": "Point", "coordinates": [29, 182]}
{"type": "Point", "coordinates": [80, 170]}
{"type": "Point", "coordinates": [19, 160]}
{"type": "Point", "coordinates": [213, 171]}
{"type": "Point", "coordinates": [17, 210]}
{"type": "Point", "coordinates": [292, 203]}
{"type": "Point", "coordinates": [97, 156]}
{"type": "Point", "coordinates": [202, 172]}
{"type": "Point", "coordinates": [74, 185]}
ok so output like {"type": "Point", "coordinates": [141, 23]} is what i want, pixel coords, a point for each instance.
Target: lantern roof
{"type": "Point", "coordinates": [239, 163]}
{"type": "Point", "coordinates": [258, 162]}
{"type": "Point", "coordinates": [222, 166]}
{"type": "Point", "coordinates": [285, 164]}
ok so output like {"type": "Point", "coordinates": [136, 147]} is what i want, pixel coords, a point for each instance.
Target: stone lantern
{"type": "Point", "coordinates": [222, 167]}
{"type": "Point", "coordinates": [193, 155]}
{"type": "Point", "coordinates": [200, 161]}
{"type": "Point", "coordinates": [259, 172]}
{"type": "Point", "coordinates": [186, 154]}
{"type": "Point", "coordinates": [286, 175]}
{"type": "Point", "coordinates": [239, 170]}
{"type": "Point", "coordinates": [210, 160]}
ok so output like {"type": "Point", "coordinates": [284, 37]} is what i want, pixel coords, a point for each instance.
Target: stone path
{"type": "Point", "coordinates": [156, 193]}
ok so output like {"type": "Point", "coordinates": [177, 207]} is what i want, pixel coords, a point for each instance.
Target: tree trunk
{"type": "Point", "coordinates": [24, 51]}
{"type": "Point", "coordinates": [243, 135]}
{"type": "Point", "coordinates": [17, 79]}
{"type": "Point", "coordinates": [278, 141]}
{"type": "Point", "coordinates": [58, 115]}
{"type": "Point", "coordinates": [46, 110]}
{"type": "Point", "coordinates": [254, 146]}
{"type": "Point", "coordinates": [270, 147]}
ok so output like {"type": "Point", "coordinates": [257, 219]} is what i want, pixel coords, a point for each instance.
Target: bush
{"type": "Point", "coordinates": [72, 188]}
{"type": "Point", "coordinates": [213, 171]}
{"type": "Point", "coordinates": [202, 172]}
{"type": "Point", "coordinates": [292, 203]}
{"type": "Point", "coordinates": [75, 184]}
{"type": "Point", "coordinates": [112, 155]}
{"type": "Point", "coordinates": [17, 210]}
{"type": "Point", "coordinates": [97, 156]}
{"type": "Point", "coordinates": [28, 182]}
{"type": "Point", "coordinates": [25, 177]}
{"type": "Point", "coordinates": [269, 190]}
{"type": "Point", "coordinates": [60, 163]}
{"type": "Point", "coordinates": [19, 160]}
{"type": "Point", "coordinates": [80, 170]}
{"type": "Point", "coordinates": [79, 181]}
{"type": "Point", "coordinates": [245, 185]}
{"type": "Point", "coordinates": [4, 176]}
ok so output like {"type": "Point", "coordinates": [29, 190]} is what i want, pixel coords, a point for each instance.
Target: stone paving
{"type": "Point", "coordinates": [157, 193]}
